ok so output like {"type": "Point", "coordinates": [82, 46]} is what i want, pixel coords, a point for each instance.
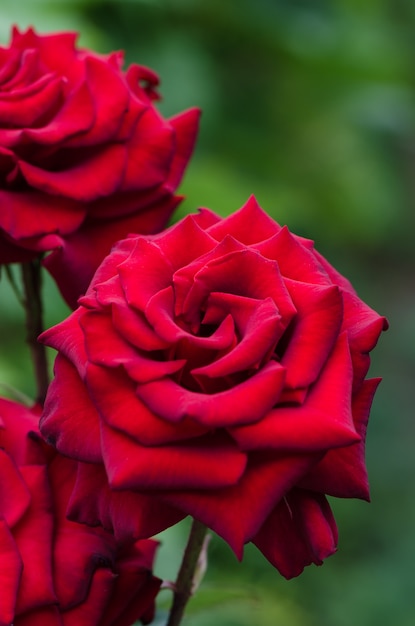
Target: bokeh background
{"type": "Point", "coordinates": [309, 104]}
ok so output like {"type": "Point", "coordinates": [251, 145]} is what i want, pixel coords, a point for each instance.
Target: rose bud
{"type": "Point", "coordinates": [54, 571]}
{"type": "Point", "coordinates": [217, 370]}
{"type": "Point", "coordinates": [86, 158]}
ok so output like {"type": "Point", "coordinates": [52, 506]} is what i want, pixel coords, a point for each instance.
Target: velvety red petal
{"type": "Point", "coordinates": [33, 536]}
{"type": "Point", "coordinates": [189, 295]}
{"type": "Point", "coordinates": [342, 472]}
{"type": "Point", "coordinates": [57, 50]}
{"type": "Point", "coordinates": [128, 514]}
{"type": "Point", "coordinates": [186, 127]}
{"type": "Point", "coordinates": [33, 214]}
{"type": "Point", "coordinates": [187, 240]}
{"type": "Point", "coordinates": [153, 268]}
{"type": "Point", "coordinates": [10, 574]}
{"type": "Point", "coordinates": [98, 175]}
{"type": "Point", "coordinates": [197, 464]}
{"type": "Point", "coordinates": [242, 272]}
{"type": "Point", "coordinates": [150, 151]}
{"type": "Point", "coordinates": [260, 327]}
{"type": "Point", "coordinates": [11, 253]}
{"type": "Point", "coordinates": [75, 116]}
{"type": "Point", "coordinates": [40, 616]}
{"type": "Point", "coordinates": [68, 339]}
{"type": "Point", "coordinates": [134, 590]}
{"type": "Point", "coordinates": [322, 422]}
{"type": "Point", "coordinates": [245, 403]}
{"type": "Point", "coordinates": [74, 263]}
{"type": "Point", "coordinates": [27, 71]}
{"type": "Point", "coordinates": [134, 328]}
{"type": "Point", "coordinates": [237, 513]}
{"type": "Point", "coordinates": [314, 332]}
{"type": "Point", "coordinates": [300, 531]}
{"type": "Point", "coordinates": [294, 260]}
{"type": "Point", "coordinates": [10, 60]}
{"type": "Point", "coordinates": [23, 107]}
{"type": "Point", "coordinates": [104, 346]}
{"type": "Point", "coordinates": [143, 82]}
{"type": "Point", "coordinates": [79, 552]}
{"type": "Point", "coordinates": [14, 494]}
{"type": "Point", "coordinates": [159, 313]}
{"type": "Point", "coordinates": [114, 395]}
{"type": "Point", "coordinates": [364, 327]}
{"type": "Point", "coordinates": [19, 423]}
{"type": "Point", "coordinates": [110, 98]}
{"type": "Point", "coordinates": [249, 225]}
{"type": "Point", "coordinates": [125, 203]}
{"type": "Point", "coordinates": [70, 420]}
{"type": "Point", "coordinates": [92, 609]}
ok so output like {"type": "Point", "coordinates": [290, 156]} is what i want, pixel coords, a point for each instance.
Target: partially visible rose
{"type": "Point", "coordinates": [85, 157]}
{"type": "Point", "coordinates": [217, 370]}
{"type": "Point", "coordinates": [53, 571]}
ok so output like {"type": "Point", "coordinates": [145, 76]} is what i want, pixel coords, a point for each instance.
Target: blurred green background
{"type": "Point", "coordinates": [309, 104]}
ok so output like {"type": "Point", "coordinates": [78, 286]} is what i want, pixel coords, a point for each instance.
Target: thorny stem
{"type": "Point", "coordinates": [32, 283]}
{"type": "Point", "coordinates": [186, 575]}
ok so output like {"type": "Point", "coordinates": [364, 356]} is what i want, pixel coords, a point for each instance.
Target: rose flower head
{"type": "Point", "coordinates": [85, 157]}
{"type": "Point", "coordinates": [54, 571]}
{"type": "Point", "coordinates": [217, 370]}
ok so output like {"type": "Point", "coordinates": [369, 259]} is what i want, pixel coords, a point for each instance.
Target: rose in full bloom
{"type": "Point", "coordinates": [217, 370]}
{"type": "Point", "coordinates": [85, 157]}
{"type": "Point", "coordinates": [53, 571]}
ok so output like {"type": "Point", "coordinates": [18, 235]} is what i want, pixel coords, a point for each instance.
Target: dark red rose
{"type": "Point", "coordinates": [85, 158]}
{"type": "Point", "coordinates": [217, 370]}
{"type": "Point", "coordinates": [53, 571]}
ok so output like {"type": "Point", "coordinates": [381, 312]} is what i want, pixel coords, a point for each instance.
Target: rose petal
{"type": "Point", "coordinates": [114, 395]}
{"type": "Point", "coordinates": [98, 175]}
{"type": "Point", "coordinates": [322, 422]}
{"type": "Point", "coordinates": [186, 127]}
{"type": "Point", "coordinates": [10, 573]}
{"type": "Point", "coordinates": [342, 472]}
{"type": "Point", "coordinates": [14, 494]}
{"type": "Point", "coordinates": [133, 592]}
{"type": "Point", "coordinates": [150, 151]}
{"type": "Point", "coordinates": [23, 107]}
{"type": "Point", "coordinates": [237, 513]}
{"type": "Point", "coordinates": [68, 412]}
{"type": "Point", "coordinates": [314, 331]}
{"type": "Point", "coordinates": [294, 259]}
{"type": "Point", "coordinates": [245, 403]}
{"type": "Point", "coordinates": [29, 214]}
{"type": "Point", "coordinates": [36, 586]}
{"type": "Point", "coordinates": [68, 339]}
{"type": "Point", "coordinates": [196, 464]}
{"type": "Point", "coordinates": [110, 97]}
{"type": "Point", "coordinates": [249, 225]}
{"type": "Point", "coordinates": [129, 515]}
{"type": "Point", "coordinates": [260, 327]}
{"type": "Point", "coordinates": [300, 531]}
{"type": "Point", "coordinates": [190, 230]}
{"type": "Point", "coordinates": [160, 314]}
{"type": "Point", "coordinates": [106, 347]}
{"type": "Point", "coordinates": [154, 269]}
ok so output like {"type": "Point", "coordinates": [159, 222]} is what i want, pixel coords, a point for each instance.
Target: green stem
{"type": "Point", "coordinates": [186, 575]}
{"type": "Point", "coordinates": [32, 283]}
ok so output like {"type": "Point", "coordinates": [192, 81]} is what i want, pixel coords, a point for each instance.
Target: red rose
{"type": "Point", "coordinates": [53, 571]}
{"type": "Point", "coordinates": [85, 158]}
{"type": "Point", "coordinates": [217, 370]}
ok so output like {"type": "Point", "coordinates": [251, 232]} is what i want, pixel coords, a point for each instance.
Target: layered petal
{"type": "Point", "coordinates": [55, 571]}
{"type": "Point", "coordinates": [85, 157]}
{"type": "Point", "coordinates": [219, 371]}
